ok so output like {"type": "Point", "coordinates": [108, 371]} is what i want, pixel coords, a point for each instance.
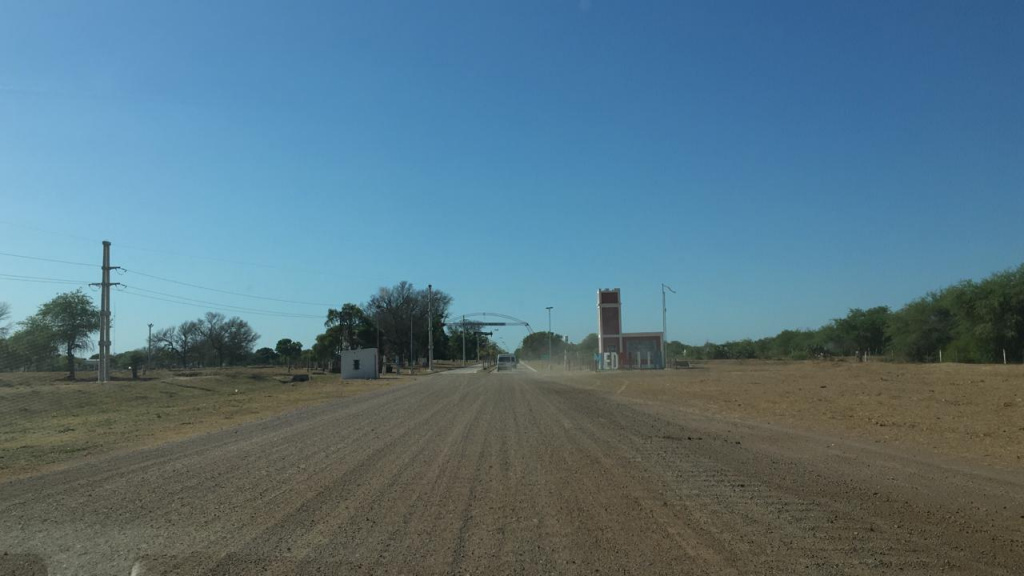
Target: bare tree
{"type": "Point", "coordinates": [239, 339]}
{"type": "Point", "coordinates": [214, 329]}
{"type": "Point", "coordinates": [180, 340]}
{"type": "Point", "coordinates": [5, 313]}
{"type": "Point", "coordinates": [401, 313]}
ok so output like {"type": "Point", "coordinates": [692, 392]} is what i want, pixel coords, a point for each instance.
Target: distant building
{"type": "Point", "coordinates": [359, 364]}
{"type": "Point", "coordinates": [636, 349]}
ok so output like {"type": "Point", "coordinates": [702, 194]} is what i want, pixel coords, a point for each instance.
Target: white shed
{"type": "Point", "coordinates": [359, 364]}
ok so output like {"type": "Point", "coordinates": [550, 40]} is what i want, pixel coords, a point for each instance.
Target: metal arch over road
{"type": "Point", "coordinates": [509, 320]}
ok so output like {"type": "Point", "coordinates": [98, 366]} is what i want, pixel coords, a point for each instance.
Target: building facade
{"type": "Point", "coordinates": [359, 364]}
{"type": "Point", "coordinates": [634, 349]}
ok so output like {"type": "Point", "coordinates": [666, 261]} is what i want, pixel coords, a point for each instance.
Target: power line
{"type": "Point", "coordinates": [208, 303]}
{"type": "Point", "coordinates": [141, 293]}
{"type": "Point", "coordinates": [153, 276]}
{"type": "Point", "coordinates": [227, 291]}
{"type": "Point", "coordinates": [47, 259]}
{"type": "Point", "coordinates": [41, 280]}
{"type": "Point", "coordinates": [121, 246]}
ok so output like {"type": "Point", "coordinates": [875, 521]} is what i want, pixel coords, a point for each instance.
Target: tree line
{"type": "Point", "coordinates": [394, 318]}
{"type": "Point", "coordinates": [967, 322]}
{"type": "Point", "coordinates": [211, 340]}
{"type": "Point", "coordinates": [55, 333]}
{"type": "Point", "coordinates": [61, 331]}
{"type": "Point", "coordinates": [536, 347]}
{"type": "Point", "coordinates": [399, 320]}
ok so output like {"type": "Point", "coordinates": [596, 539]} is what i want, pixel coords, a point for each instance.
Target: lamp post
{"type": "Point", "coordinates": [430, 328]}
{"type": "Point", "coordinates": [549, 336]}
{"type": "Point", "coordinates": [664, 325]}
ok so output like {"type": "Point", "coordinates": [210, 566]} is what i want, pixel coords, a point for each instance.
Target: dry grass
{"type": "Point", "coordinates": [46, 421]}
{"type": "Point", "coordinates": [972, 412]}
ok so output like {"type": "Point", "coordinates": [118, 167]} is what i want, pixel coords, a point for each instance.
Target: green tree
{"type": "Point", "coordinates": [921, 328]}
{"type": "Point", "coordinates": [453, 340]}
{"type": "Point", "coordinates": [988, 317]}
{"type": "Point", "coordinates": [265, 356]}
{"type": "Point", "coordinates": [863, 329]}
{"type": "Point", "coordinates": [588, 346]}
{"type": "Point", "coordinates": [72, 318]}
{"type": "Point", "coordinates": [32, 347]}
{"type": "Point", "coordinates": [350, 328]}
{"type": "Point", "coordinates": [535, 346]}
{"type": "Point", "coordinates": [289, 350]}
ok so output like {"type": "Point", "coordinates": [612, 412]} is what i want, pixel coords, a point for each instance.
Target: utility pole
{"type": "Point", "coordinates": [412, 360]}
{"type": "Point", "coordinates": [430, 328]}
{"type": "Point", "coordinates": [149, 348]}
{"type": "Point", "coordinates": [463, 339]}
{"type": "Point", "coordinates": [664, 325]}
{"type": "Point", "coordinates": [103, 372]}
{"type": "Point", "coordinates": [550, 359]}
{"type": "Point", "coordinates": [480, 334]}
{"type": "Point", "coordinates": [379, 355]}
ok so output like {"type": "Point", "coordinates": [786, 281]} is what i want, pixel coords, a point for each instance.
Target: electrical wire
{"type": "Point", "coordinates": [172, 297]}
{"type": "Point", "coordinates": [282, 300]}
{"type": "Point", "coordinates": [48, 260]}
{"type": "Point", "coordinates": [41, 280]}
{"type": "Point", "coordinates": [208, 303]}
{"type": "Point", "coordinates": [141, 293]}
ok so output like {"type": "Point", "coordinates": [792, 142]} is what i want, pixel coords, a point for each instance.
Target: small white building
{"type": "Point", "coordinates": [359, 364]}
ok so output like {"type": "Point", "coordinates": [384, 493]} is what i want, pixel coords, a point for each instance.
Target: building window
{"type": "Point", "coordinates": [355, 364]}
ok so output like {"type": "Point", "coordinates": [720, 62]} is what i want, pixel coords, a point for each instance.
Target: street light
{"type": "Point", "coordinates": [430, 328]}
{"type": "Point", "coordinates": [549, 336]}
{"type": "Point", "coordinates": [664, 325]}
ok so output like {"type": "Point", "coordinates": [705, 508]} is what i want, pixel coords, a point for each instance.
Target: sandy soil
{"type": "Point", "coordinates": [46, 421]}
{"type": "Point", "coordinates": [972, 412]}
{"type": "Point", "coordinates": [512, 473]}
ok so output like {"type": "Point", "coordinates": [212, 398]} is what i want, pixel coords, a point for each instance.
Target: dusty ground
{"type": "Point", "coordinates": [972, 412]}
{"type": "Point", "coordinates": [47, 421]}
{"type": "Point", "coordinates": [512, 473]}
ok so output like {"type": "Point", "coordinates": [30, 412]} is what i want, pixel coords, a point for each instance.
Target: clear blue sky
{"type": "Point", "coordinates": [775, 162]}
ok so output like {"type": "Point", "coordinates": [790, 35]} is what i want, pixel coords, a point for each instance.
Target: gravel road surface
{"type": "Point", "coordinates": [511, 473]}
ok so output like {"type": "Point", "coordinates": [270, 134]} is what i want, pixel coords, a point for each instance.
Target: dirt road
{"type": "Point", "coordinates": [511, 473]}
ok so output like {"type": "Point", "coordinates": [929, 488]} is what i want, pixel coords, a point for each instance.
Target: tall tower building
{"type": "Point", "coordinates": [609, 320]}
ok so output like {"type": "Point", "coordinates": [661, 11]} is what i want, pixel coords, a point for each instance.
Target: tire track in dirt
{"type": "Point", "coordinates": [470, 473]}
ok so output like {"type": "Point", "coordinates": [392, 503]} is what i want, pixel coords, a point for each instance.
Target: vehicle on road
{"type": "Point", "coordinates": [507, 362]}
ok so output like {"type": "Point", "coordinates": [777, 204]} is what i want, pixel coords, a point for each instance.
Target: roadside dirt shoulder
{"type": "Point", "coordinates": [46, 422]}
{"type": "Point", "coordinates": [969, 412]}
